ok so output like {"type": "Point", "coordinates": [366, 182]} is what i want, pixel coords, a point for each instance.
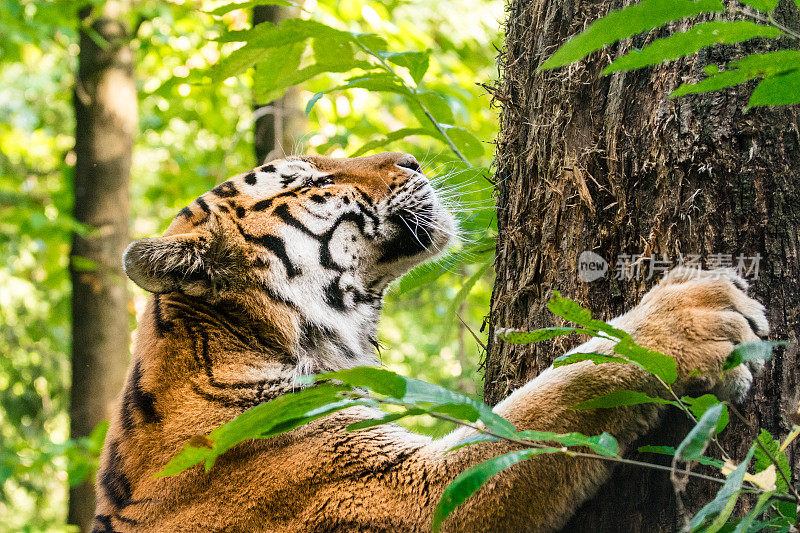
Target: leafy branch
{"type": "Point", "coordinates": [768, 7]}
{"type": "Point", "coordinates": [779, 70]}
{"type": "Point", "coordinates": [414, 91]}
{"type": "Point", "coordinates": [707, 412]}
{"type": "Point", "coordinates": [280, 56]}
{"type": "Point", "coordinates": [772, 457]}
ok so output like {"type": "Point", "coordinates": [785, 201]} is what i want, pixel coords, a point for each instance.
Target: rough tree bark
{"type": "Point", "coordinates": [105, 111]}
{"type": "Point", "coordinates": [612, 165]}
{"type": "Point", "coordinates": [280, 124]}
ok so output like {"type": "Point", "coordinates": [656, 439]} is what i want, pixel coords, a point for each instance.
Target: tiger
{"type": "Point", "coordinates": [280, 272]}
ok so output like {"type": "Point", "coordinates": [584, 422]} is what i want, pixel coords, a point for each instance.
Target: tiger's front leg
{"type": "Point", "coordinates": [696, 317]}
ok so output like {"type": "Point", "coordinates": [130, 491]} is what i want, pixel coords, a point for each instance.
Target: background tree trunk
{"type": "Point", "coordinates": [105, 111]}
{"type": "Point", "coordinates": [612, 165]}
{"type": "Point", "coordinates": [280, 124]}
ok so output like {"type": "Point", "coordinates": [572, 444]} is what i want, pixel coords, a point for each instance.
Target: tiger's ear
{"type": "Point", "coordinates": [191, 263]}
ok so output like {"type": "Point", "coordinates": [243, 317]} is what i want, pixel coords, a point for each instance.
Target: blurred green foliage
{"type": "Point", "coordinates": [192, 136]}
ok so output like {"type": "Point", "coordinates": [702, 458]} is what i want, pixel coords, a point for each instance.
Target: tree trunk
{"type": "Point", "coordinates": [105, 111]}
{"type": "Point", "coordinates": [613, 166]}
{"type": "Point", "coordinates": [280, 124]}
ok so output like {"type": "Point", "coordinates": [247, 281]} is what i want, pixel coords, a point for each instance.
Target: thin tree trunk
{"type": "Point", "coordinates": [105, 111]}
{"type": "Point", "coordinates": [613, 166]}
{"type": "Point", "coordinates": [280, 124]}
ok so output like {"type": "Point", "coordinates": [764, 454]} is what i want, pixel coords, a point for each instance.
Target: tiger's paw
{"type": "Point", "coordinates": [698, 317]}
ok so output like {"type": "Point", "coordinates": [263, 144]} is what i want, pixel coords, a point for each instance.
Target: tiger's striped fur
{"type": "Point", "coordinates": [280, 272]}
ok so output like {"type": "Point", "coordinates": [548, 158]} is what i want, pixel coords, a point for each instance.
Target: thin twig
{"type": "Point", "coordinates": [441, 131]}
{"type": "Point", "coordinates": [480, 342]}
{"type": "Point", "coordinates": [768, 19]}
{"type": "Point", "coordinates": [415, 92]}
{"type": "Point", "coordinates": [694, 419]}
{"type": "Point", "coordinates": [790, 32]}
{"type": "Point", "coordinates": [534, 444]}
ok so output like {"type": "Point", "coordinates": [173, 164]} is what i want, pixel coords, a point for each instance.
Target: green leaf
{"type": "Point", "coordinates": [574, 312]}
{"type": "Point", "coordinates": [388, 418]}
{"type": "Point", "coordinates": [96, 439]}
{"type": "Point", "coordinates": [729, 491]}
{"type": "Point", "coordinates": [762, 5]}
{"type": "Point", "coordinates": [227, 8]}
{"type": "Point", "coordinates": [426, 273]}
{"type": "Point", "coordinates": [265, 37]}
{"type": "Point", "coordinates": [457, 410]}
{"type": "Point", "coordinates": [422, 392]}
{"type": "Point", "coordinates": [619, 398]}
{"type": "Point", "coordinates": [688, 42]}
{"type": "Point", "coordinates": [270, 87]}
{"type": "Point", "coordinates": [699, 406]}
{"type": "Point", "coordinates": [375, 81]}
{"type": "Point", "coordinates": [267, 419]}
{"type": "Point", "coordinates": [436, 106]}
{"type": "Point", "coordinates": [469, 284]}
{"type": "Point", "coordinates": [454, 305]}
{"type": "Point", "coordinates": [190, 455]}
{"type": "Point", "coordinates": [626, 22]}
{"type": "Point", "coordinates": [473, 439]}
{"type": "Point", "coordinates": [701, 434]}
{"type": "Point", "coordinates": [468, 482]}
{"type": "Point", "coordinates": [526, 337]}
{"type": "Point", "coordinates": [416, 62]}
{"type": "Point", "coordinates": [288, 31]}
{"type": "Point", "coordinates": [371, 41]}
{"type": "Point", "coordinates": [762, 460]}
{"type": "Point", "coordinates": [596, 358]}
{"type": "Point", "coordinates": [414, 391]}
{"type": "Point", "coordinates": [333, 51]}
{"type": "Point", "coordinates": [721, 80]}
{"type": "Point", "coordinates": [604, 444]}
{"type": "Point", "coordinates": [79, 263]}
{"type": "Point", "coordinates": [237, 62]}
{"type": "Point", "coordinates": [274, 70]}
{"type": "Point", "coordinates": [654, 362]}
{"type": "Point", "coordinates": [379, 380]}
{"type": "Point", "coordinates": [722, 518]}
{"type": "Point", "coordinates": [466, 142]}
{"type": "Point", "coordinates": [751, 351]}
{"type": "Point", "coordinates": [745, 523]}
{"type": "Point", "coordinates": [289, 424]}
{"type": "Point", "coordinates": [745, 69]}
{"type": "Point", "coordinates": [783, 89]}
{"type": "Point", "coordinates": [669, 450]}
{"type": "Point", "coordinates": [393, 136]}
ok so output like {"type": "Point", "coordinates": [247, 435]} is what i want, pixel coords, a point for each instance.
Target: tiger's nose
{"type": "Point", "coordinates": [410, 162]}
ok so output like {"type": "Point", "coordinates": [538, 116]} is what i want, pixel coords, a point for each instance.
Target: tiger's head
{"type": "Point", "coordinates": [307, 245]}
